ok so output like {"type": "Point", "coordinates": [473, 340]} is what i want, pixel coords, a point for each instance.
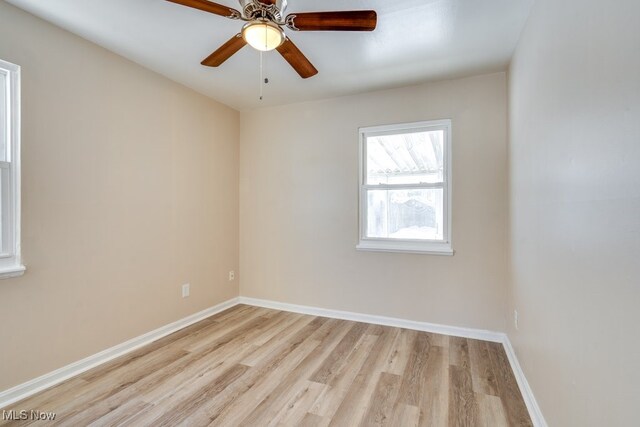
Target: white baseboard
{"type": "Point", "coordinates": [479, 334]}
{"type": "Point", "coordinates": [455, 331]}
{"type": "Point", "coordinates": [529, 399]}
{"type": "Point", "coordinates": [43, 382]}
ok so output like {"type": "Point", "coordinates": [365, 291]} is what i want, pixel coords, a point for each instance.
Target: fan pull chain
{"type": "Point", "coordinates": [261, 76]}
{"type": "Point", "coordinates": [263, 80]}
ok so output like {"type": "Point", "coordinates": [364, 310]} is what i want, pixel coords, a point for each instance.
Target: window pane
{"type": "Point", "coordinates": [3, 208]}
{"type": "Point", "coordinates": [3, 116]}
{"type": "Point", "coordinates": [407, 158]}
{"type": "Point", "coordinates": [405, 214]}
{"type": "Point", "coordinates": [5, 190]}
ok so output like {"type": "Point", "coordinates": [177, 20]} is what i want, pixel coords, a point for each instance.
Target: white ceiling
{"type": "Point", "coordinates": [416, 41]}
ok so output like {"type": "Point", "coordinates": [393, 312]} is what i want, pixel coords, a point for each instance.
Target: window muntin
{"type": "Point", "coordinates": [10, 262]}
{"type": "Point", "coordinates": [405, 187]}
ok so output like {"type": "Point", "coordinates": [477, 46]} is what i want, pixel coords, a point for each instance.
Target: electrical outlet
{"type": "Point", "coordinates": [232, 276]}
{"type": "Point", "coordinates": [186, 290]}
{"type": "Point", "coordinates": [515, 319]}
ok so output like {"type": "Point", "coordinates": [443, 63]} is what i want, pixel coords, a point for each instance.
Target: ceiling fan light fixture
{"type": "Point", "coordinates": [263, 35]}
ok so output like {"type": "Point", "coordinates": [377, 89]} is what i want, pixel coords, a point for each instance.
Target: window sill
{"type": "Point", "coordinates": [443, 249]}
{"type": "Point", "coordinates": [15, 271]}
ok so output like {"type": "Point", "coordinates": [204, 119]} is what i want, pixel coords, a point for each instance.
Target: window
{"type": "Point", "coordinates": [10, 263]}
{"type": "Point", "coordinates": [405, 188]}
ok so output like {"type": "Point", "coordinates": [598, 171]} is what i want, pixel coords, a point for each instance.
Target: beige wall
{"type": "Point", "coordinates": [575, 209]}
{"type": "Point", "coordinates": [299, 207]}
{"type": "Point", "coordinates": [129, 190]}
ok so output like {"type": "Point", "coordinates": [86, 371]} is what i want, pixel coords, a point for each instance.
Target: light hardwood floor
{"type": "Point", "coordinates": [251, 366]}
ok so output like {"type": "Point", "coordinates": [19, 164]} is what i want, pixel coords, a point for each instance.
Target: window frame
{"type": "Point", "coordinates": [10, 242]}
{"type": "Point", "coordinates": [433, 247]}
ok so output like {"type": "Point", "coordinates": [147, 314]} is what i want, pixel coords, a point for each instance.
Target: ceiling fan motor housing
{"type": "Point", "coordinates": [264, 28]}
{"type": "Point", "coordinates": [255, 9]}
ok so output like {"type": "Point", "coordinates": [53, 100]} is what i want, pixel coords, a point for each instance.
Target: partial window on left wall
{"type": "Point", "coordinates": [10, 257]}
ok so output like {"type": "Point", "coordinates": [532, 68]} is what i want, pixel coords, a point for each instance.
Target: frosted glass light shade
{"type": "Point", "coordinates": [263, 35]}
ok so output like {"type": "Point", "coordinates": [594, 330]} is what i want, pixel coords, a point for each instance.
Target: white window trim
{"type": "Point", "coordinates": [11, 260]}
{"type": "Point", "coordinates": [397, 245]}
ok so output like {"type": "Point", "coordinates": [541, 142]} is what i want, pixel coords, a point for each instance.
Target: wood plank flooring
{"type": "Point", "coordinates": [251, 366]}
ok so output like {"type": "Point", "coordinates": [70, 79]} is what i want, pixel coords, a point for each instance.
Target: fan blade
{"type": "Point", "coordinates": [210, 7]}
{"type": "Point", "coordinates": [225, 51]}
{"type": "Point", "coordinates": [267, 1]}
{"type": "Point", "coordinates": [357, 20]}
{"type": "Point", "coordinates": [296, 59]}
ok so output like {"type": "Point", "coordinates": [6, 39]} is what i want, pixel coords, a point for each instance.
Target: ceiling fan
{"type": "Point", "coordinates": [263, 30]}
